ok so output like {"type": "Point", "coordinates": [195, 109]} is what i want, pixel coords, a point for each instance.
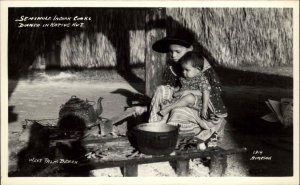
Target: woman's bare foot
{"type": "Point", "coordinates": [212, 142]}
{"type": "Point", "coordinates": [201, 146]}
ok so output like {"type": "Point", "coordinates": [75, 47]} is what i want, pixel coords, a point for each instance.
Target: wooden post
{"type": "Point", "coordinates": [130, 170]}
{"type": "Point", "coordinates": [155, 29]}
{"type": "Point", "coordinates": [182, 168]}
{"type": "Point", "coordinates": [218, 165]}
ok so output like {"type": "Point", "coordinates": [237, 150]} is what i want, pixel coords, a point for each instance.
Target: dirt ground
{"type": "Point", "coordinates": [41, 99]}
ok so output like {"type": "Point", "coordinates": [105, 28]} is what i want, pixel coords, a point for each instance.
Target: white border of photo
{"type": "Point", "coordinates": [5, 180]}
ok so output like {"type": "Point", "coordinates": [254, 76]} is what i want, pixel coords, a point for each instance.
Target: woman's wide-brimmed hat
{"type": "Point", "coordinates": [181, 37]}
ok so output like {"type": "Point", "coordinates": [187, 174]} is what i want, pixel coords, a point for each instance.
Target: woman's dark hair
{"type": "Point", "coordinates": [196, 59]}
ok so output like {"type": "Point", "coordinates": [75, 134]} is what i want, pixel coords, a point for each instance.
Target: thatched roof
{"type": "Point", "coordinates": [115, 37]}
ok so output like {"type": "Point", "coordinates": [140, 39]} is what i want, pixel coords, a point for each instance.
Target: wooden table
{"type": "Point", "coordinates": [116, 152]}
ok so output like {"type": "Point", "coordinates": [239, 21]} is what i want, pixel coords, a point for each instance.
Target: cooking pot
{"type": "Point", "coordinates": [156, 138]}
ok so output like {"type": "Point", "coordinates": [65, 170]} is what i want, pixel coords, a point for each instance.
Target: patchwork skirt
{"type": "Point", "coordinates": [187, 118]}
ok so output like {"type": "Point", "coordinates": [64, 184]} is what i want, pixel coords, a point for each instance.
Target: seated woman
{"type": "Point", "coordinates": [177, 46]}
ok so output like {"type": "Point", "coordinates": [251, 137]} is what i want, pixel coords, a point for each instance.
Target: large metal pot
{"type": "Point", "coordinates": [156, 139]}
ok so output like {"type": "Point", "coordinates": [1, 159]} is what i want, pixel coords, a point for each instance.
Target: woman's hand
{"type": "Point", "coordinates": [139, 110]}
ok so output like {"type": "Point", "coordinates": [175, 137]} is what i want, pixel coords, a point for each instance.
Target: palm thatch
{"type": "Point", "coordinates": [116, 37]}
{"type": "Point", "coordinates": [242, 36]}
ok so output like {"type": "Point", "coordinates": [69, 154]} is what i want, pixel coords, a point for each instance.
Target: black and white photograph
{"type": "Point", "coordinates": [96, 90]}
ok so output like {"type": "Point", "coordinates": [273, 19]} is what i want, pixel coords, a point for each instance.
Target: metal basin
{"type": "Point", "coordinates": [156, 139]}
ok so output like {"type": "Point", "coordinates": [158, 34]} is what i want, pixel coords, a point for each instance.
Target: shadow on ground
{"type": "Point", "coordinates": [235, 77]}
{"type": "Point", "coordinates": [246, 106]}
{"type": "Point", "coordinates": [41, 159]}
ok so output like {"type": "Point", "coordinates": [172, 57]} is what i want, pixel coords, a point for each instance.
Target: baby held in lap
{"type": "Point", "coordinates": [194, 90]}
